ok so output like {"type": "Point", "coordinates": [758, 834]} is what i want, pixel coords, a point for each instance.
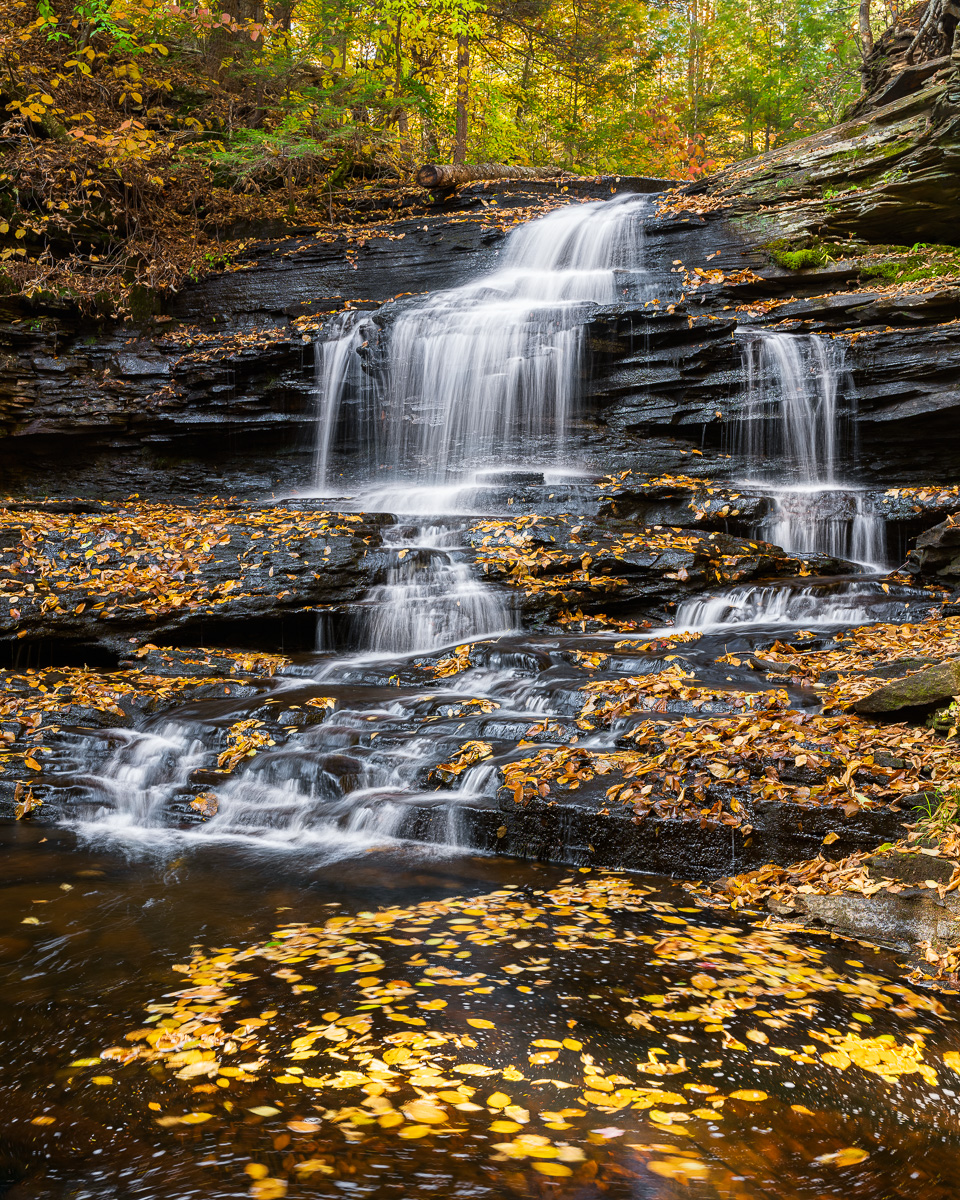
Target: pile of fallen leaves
{"type": "Point", "coordinates": [709, 770]}
{"type": "Point", "coordinates": [670, 690]}
{"type": "Point", "coordinates": [672, 203]}
{"type": "Point", "coordinates": [709, 501]}
{"type": "Point", "coordinates": [141, 559]}
{"type": "Point", "coordinates": [848, 670]}
{"type": "Point", "coordinates": [553, 556]}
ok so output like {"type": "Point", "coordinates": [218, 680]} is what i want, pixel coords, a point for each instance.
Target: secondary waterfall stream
{"type": "Point", "coordinates": [797, 438]}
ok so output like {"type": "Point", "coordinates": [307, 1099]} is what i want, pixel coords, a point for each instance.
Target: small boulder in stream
{"type": "Point", "coordinates": [920, 690]}
{"type": "Point", "coordinates": [937, 551]}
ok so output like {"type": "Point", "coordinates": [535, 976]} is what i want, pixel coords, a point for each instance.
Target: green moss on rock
{"type": "Point", "coordinates": [799, 260]}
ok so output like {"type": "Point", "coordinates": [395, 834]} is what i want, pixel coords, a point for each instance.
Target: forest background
{"type": "Point", "coordinates": [136, 135]}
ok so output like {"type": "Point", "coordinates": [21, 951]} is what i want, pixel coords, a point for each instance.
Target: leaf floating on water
{"type": "Point", "coordinates": [270, 1188]}
{"type": "Point", "coordinates": [552, 1169]}
{"type": "Point", "coordinates": [480, 1023]}
{"type": "Point", "coordinates": [312, 1166]}
{"type": "Point", "coordinates": [415, 1131]}
{"type": "Point", "coordinates": [848, 1157]}
{"type": "Point", "coordinates": [749, 1094]}
{"type": "Point", "coordinates": [684, 1170]}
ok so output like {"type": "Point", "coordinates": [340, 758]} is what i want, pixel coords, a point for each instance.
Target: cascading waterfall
{"type": "Point", "coordinates": [798, 431]}
{"type": "Point", "coordinates": [484, 374]}
{"type": "Point", "coordinates": [796, 434]}
{"type": "Point", "coordinates": [431, 598]}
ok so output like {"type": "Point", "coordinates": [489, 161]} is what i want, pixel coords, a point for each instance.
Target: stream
{"type": "Point", "coordinates": [440, 411]}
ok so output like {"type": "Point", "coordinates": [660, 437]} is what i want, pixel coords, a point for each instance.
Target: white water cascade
{"type": "Point", "coordinates": [430, 598]}
{"type": "Point", "coordinates": [487, 374]}
{"type": "Point", "coordinates": [798, 431]}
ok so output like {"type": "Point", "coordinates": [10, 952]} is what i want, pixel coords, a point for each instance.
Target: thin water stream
{"type": "Point", "coordinates": [358, 802]}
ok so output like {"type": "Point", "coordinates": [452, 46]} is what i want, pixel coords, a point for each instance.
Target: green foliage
{"type": "Point", "coordinates": [937, 816]}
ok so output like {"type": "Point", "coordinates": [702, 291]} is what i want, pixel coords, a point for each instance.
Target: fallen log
{"type": "Point", "coordinates": [450, 175]}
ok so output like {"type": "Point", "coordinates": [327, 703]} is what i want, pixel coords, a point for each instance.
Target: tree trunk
{"type": "Point", "coordinates": [403, 123]}
{"type": "Point", "coordinates": [866, 33]}
{"type": "Point", "coordinates": [436, 175]}
{"type": "Point", "coordinates": [463, 96]}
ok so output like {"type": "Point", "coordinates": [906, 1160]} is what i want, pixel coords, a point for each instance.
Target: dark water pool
{"type": "Point", "coordinates": [404, 1024]}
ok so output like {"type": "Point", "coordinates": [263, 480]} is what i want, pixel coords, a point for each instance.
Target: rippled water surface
{"type": "Point", "coordinates": [406, 1024]}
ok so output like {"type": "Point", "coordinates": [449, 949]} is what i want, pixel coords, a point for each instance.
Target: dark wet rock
{"type": "Point", "coordinates": [912, 869]}
{"type": "Point", "coordinates": [937, 551]}
{"type": "Point", "coordinates": [900, 921]}
{"type": "Point", "coordinates": [922, 689]}
{"type": "Point", "coordinates": [684, 503]}
{"type": "Point", "coordinates": [137, 570]}
{"type": "Point", "coordinates": [568, 562]}
{"type": "Point", "coordinates": [576, 833]}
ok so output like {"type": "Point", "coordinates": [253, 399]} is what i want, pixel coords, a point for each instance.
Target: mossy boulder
{"type": "Point", "coordinates": [921, 690]}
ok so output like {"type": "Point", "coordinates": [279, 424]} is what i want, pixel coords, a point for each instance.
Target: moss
{"type": "Point", "coordinates": [880, 270]}
{"type": "Point", "coordinates": [914, 264]}
{"type": "Point", "coordinates": [799, 260]}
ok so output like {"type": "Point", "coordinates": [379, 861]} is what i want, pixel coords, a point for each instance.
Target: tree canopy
{"type": "Point", "coordinates": [133, 129]}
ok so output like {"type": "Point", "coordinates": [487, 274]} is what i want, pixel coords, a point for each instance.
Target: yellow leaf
{"type": "Point", "coordinates": [269, 1189]}
{"type": "Point", "coordinates": [425, 1111]}
{"type": "Point", "coordinates": [681, 1169]}
{"type": "Point", "coordinates": [498, 1100]}
{"type": "Point", "coordinates": [415, 1131]}
{"type": "Point", "coordinates": [831, 838]}
{"type": "Point", "coordinates": [847, 1157]}
{"type": "Point", "coordinates": [748, 1094]}
{"type": "Point", "coordinates": [551, 1168]}
{"type": "Point", "coordinates": [479, 1023]}
{"type": "Point", "coordinates": [103, 1080]}
{"type": "Point", "coordinates": [314, 1164]}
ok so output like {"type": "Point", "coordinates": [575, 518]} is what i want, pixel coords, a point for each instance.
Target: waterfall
{"type": "Point", "coordinates": [484, 374]}
{"type": "Point", "coordinates": [786, 604]}
{"type": "Point", "coordinates": [798, 432]}
{"type": "Point", "coordinates": [430, 598]}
